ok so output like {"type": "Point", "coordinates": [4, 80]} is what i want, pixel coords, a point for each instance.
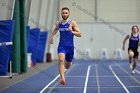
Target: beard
{"type": "Point", "coordinates": [65, 17]}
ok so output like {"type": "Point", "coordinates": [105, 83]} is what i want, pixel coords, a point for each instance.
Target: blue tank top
{"type": "Point", "coordinates": [133, 41]}
{"type": "Point", "coordinates": [66, 36]}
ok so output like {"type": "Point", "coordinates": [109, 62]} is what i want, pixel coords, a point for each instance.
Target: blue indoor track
{"type": "Point", "coordinates": [83, 77]}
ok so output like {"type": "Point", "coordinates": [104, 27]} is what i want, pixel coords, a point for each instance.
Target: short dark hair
{"type": "Point", "coordinates": [135, 26]}
{"type": "Point", "coordinates": [65, 8]}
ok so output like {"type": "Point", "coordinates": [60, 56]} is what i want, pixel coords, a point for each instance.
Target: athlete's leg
{"type": "Point", "coordinates": [135, 61]}
{"type": "Point", "coordinates": [61, 67]}
{"type": "Point", "coordinates": [69, 58]}
{"type": "Point", "coordinates": [68, 65]}
{"type": "Point", "coordinates": [131, 54]}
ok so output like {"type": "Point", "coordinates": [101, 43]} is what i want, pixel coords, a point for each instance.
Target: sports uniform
{"type": "Point", "coordinates": [66, 44]}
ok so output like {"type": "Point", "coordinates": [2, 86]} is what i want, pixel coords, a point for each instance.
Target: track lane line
{"type": "Point", "coordinates": [97, 78]}
{"type": "Point", "coordinates": [128, 73]}
{"type": "Point", "coordinates": [127, 91]}
{"type": "Point", "coordinates": [49, 84]}
{"type": "Point", "coordinates": [138, 71]}
{"type": "Point", "coordinates": [67, 71]}
{"type": "Point", "coordinates": [87, 77]}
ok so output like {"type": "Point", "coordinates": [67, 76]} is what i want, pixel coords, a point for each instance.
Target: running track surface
{"type": "Point", "coordinates": [84, 76]}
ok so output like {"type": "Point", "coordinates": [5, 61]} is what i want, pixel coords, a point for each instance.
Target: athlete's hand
{"type": "Point", "coordinates": [71, 29]}
{"type": "Point", "coordinates": [74, 29]}
{"type": "Point", "coordinates": [51, 40]}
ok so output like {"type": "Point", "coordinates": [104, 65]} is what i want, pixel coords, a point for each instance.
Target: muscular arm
{"type": "Point", "coordinates": [54, 32]}
{"type": "Point", "coordinates": [75, 29]}
{"type": "Point", "coordinates": [124, 41]}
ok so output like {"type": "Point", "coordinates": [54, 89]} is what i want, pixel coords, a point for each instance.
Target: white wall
{"type": "Point", "coordinates": [34, 14]}
{"type": "Point", "coordinates": [111, 10]}
{"type": "Point", "coordinates": [6, 9]}
{"type": "Point", "coordinates": [42, 14]}
{"type": "Point", "coordinates": [77, 9]}
{"type": "Point", "coordinates": [119, 10]}
{"type": "Point", "coordinates": [97, 36]}
{"type": "Point", "coordinates": [27, 6]}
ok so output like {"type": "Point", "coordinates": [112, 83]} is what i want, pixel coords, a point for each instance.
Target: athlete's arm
{"type": "Point", "coordinates": [54, 32]}
{"type": "Point", "coordinates": [75, 29]}
{"type": "Point", "coordinates": [139, 40]}
{"type": "Point", "coordinates": [124, 41]}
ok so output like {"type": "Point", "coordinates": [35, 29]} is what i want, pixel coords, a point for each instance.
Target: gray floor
{"type": "Point", "coordinates": [6, 82]}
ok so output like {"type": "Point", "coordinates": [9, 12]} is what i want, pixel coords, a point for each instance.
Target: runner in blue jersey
{"type": "Point", "coordinates": [68, 29]}
{"type": "Point", "coordinates": [134, 41]}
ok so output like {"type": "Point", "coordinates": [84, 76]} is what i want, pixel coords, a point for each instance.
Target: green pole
{"type": "Point", "coordinates": [16, 40]}
{"type": "Point", "coordinates": [23, 37]}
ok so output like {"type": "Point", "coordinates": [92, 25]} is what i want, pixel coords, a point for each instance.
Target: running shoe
{"type": "Point", "coordinates": [133, 71]}
{"type": "Point", "coordinates": [62, 81]}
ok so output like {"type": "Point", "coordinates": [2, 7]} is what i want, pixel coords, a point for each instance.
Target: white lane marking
{"type": "Point", "coordinates": [97, 77]}
{"type": "Point", "coordinates": [54, 86]}
{"type": "Point", "coordinates": [128, 73]}
{"type": "Point", "coordinates": [138, 71]}
{"type": "Point", "coordinates": [49, 84]}
{"type": "Point", "coordinates": [87, 77]}
{"type": "Point", "coordinates": [54, 81]}
{"type": "Point", "coordinates": [127, 91]}
{"type": "Point", "coordinates": [96, 87]}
